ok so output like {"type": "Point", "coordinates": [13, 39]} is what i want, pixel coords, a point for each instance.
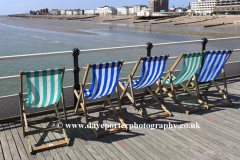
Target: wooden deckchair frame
{"type": "Point", "coordinates": [220, 92]}
{"type": "Point", "coordinates": [81, 101]}
{"type": "Point", "coordinates": [172, 94]}
{"type": "Point", "coordinates": [147, 89]}
{"type": "Point", "coordinates": [24, 121]}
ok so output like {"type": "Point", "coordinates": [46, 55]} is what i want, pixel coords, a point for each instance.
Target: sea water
{"type": "Point", "coordinates": [27, 36]}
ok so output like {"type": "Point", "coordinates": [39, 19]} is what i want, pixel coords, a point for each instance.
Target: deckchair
{"type": "Point", "coordinates": [104, 82]}
{"type": "Point", "coordinates": [191, 65]}
{"type": "Point", "coordinates": [212, 66]}
{"type": "Point", "coordinates": [152, 70]}
{"type": "Point", "coordinates": [44, 89]}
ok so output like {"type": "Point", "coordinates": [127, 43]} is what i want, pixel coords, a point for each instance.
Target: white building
{"type": "Point", "coordinates": [106, 10]}
{"type": "Point", "coordinates": [123, 10]}
{"type": "Point", "coordinates": [138, 8]}
{"type": "Point", "coordinates": [69, 13]}
{"type": "Point", "coordinates": [131, 11]}
{"type": "Point", "coordinates": [202, 7]}
{"type": "Point", "coordinates": [90, 11]}
{"type": "Point", "coordinates": [63, 12]}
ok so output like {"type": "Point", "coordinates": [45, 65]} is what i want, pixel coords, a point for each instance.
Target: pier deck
{"type": "Point", "coordinates": [217, 138]}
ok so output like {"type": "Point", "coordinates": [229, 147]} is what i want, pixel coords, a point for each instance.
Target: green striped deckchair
{"type": "Point", "coordinates": [44, 89]}
{"type": "Point", "coordinates": [191, 65]}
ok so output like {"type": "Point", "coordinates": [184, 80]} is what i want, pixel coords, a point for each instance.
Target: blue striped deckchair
{"type": "Point", "coordinates": [213, 64]}
{"type": "Point", "coordinates": [191, 65]}
{"type": "Point", "coordinates": [152, 70]}
{"type": "Point", "coordinates": [104, 82]}
{"type": "Point", "coordinates": [44, 89]}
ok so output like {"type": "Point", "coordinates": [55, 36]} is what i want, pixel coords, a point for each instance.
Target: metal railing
{"type": "Point", "coordinates": [75, 53]}
{"type": "Point", "coordinates": [148, 46]}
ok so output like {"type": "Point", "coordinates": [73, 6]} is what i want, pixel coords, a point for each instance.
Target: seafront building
{"type": "Point", "coordinates": [227, 7]}
{"type": "Point", "coordinates": [158, 5]}
{"type": "Point", "coordinates": [89, 11]}
{"type": "Point", "coordinates": [106, 10]}
{"type": "Point", "coordinates": [123, 10]}
{"type": "Point", "coordinates": [202, 7]}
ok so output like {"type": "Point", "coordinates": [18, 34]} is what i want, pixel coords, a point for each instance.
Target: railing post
{"type": "Point", "coordinates": [76, 73]}
{"type": "Point", "coordinates": [205, 41]}
{"type": "Point", "coordinates": [149, 48]}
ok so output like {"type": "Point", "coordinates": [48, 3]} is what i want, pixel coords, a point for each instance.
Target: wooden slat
{"type": "Point", "coordinates": [41, 119]}
{"type": "Point", "coordinates": [104, 117]}
{"type": "Point", "coordinates": [11, 142]}
{"type": "Point", "coordinates": [24, 141]}
{"type": "Point", "coordinates": [22, 152]}
{"type": "Point", "coordinates": [4, 144]}
{"type": "Point", "coordinates": [41, 130]}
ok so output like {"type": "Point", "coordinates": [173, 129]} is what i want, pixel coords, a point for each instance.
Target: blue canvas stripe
{"type": "Point", "coordinates": [106, 83]}
{"type": "Point", "coordinates": [213, 63]}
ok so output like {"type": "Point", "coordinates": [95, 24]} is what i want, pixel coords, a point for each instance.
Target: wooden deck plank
{"type": "Point", "coordinates": [136, 139]}
{"type": "Point", "coordinates": [21, 150]}
{"type": "Point", "coordinates": [141, 121]}
{"type": "Point", "coordinates": [58, 153]}
{"type": "Point", "coordinates": [110, 154]}
{"type": "Point", "coordinates": [93, 143]}
{"type": "Point", "coordinates": [50, 139]}
{"type": "Point", "coordinates": [71, 150]}
{"type": "Point", "coordinates": [11, 142]}
{"type": "Point", "coordinates": [118, 138]}
{"type": "Point", "coordinates": [1, 151]}
{"type": "Point", "coordinates": [194, 140]}
{"type": "Point", "coordinates": [24, 140]}
{"type": "Point", "coordinates": [4, 144]}
{"type": "Point", "coordinates": [108, 137]}
{"type": "Point", "coordinates": [154, 139]}
{"type": "Point", "coordinates": [39, 140]}
{"type": "Point", "coordinates": [146, 139]}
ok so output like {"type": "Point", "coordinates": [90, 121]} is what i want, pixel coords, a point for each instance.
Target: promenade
{"type": "Point", "coordinates": [216, 135]}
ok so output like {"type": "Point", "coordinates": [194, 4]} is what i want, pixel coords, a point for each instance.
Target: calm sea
{"type": "Point", "coordinates": [27, 36]}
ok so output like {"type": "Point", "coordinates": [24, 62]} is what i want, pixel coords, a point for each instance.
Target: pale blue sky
{"type": "Point", "coordinates": [23, 6]}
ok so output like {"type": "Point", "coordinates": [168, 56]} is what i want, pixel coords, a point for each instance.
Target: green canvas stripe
{"type": "Point", "coordinates": [59, 84]}
{"type": "Point", "coordinates": [52, 73]}
{"type": "Point", "coordinates": [190, 67]}
{"type": "Point", "coordinates": [29, 99]}
{"type": "Point", "coordinates": [44, 76]}
{"type": "Point", "coordinates": [36, 79]}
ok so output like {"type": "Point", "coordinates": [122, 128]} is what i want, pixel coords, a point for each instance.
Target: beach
{"type": "Point", "coordinates": [225, 25]}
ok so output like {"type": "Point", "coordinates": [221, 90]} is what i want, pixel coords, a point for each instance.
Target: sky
{"type": "Point", "coordinates": [24, 6]}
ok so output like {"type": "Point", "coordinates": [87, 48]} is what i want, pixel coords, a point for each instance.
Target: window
{"type": "Point", "coordinates": [238, 8]}
{"type": "Point", "coordinates": [223, 9]}
{"type": "Point", "coordinates": [232, 8]}
{"type": "Point", "coordinates": [218, 9]}
{"type": "Point", "coordinates": [227, 8]}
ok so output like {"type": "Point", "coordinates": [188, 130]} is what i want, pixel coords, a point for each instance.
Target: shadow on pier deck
{"type": "Point", "coordinates": [217, 138]}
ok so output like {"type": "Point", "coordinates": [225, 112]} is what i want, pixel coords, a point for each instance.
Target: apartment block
{"type": "Point", "coordinates": [203, 7]}
{"type": "Point", "coordinates": [227, 7]}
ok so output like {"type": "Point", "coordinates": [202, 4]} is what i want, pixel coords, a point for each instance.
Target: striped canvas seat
{"type": "Point", "coordinates": [44, 87]}
{"type": "Point", "coordinates": [104, 82]}
{"type": "Point", "coordinates": [213, 63]}
{"type": "Point", "coordinates": [105, 79]}
{"type": "Point", "coordinates": [152, 70]}
{"type": "Point", "coordinates": [191, 64]}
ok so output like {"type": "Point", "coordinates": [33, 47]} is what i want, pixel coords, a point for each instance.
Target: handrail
{"type": "Point", "coordinates": [84, 68]}
{"type": "Point", "coordinates": [39, 55]}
